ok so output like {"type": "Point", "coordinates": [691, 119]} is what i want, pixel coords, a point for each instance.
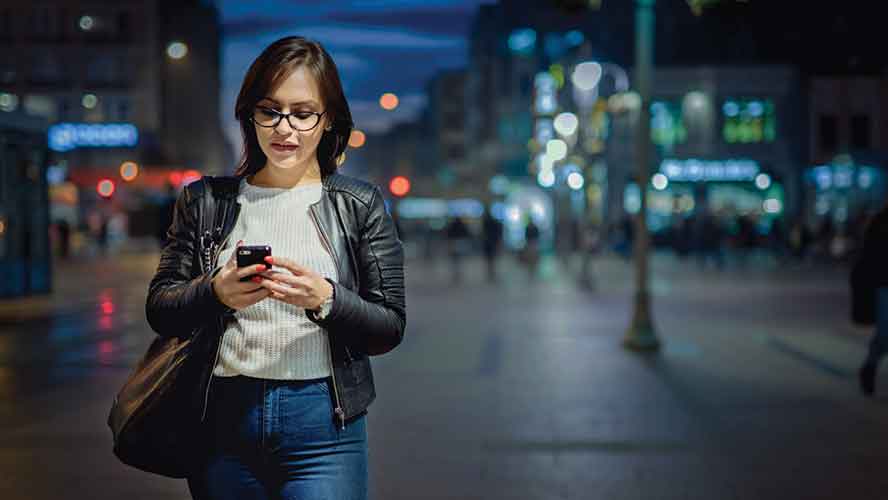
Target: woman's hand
{"type": "Point", "coordinates": [234, 293]}
{"type": "Point", "coordinates": [304, 288]}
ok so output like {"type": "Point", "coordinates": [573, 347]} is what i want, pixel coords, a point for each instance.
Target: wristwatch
{"type": "Point", "coordinates": [324, 310]}
{"type": "Point", "coordinates": [325, 307]}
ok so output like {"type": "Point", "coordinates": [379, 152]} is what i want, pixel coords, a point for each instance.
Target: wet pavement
{"type": "Point", "coordinates": [516, 390]}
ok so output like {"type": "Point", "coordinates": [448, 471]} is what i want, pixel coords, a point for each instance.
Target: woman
{"type": "Point", "coordinates": [285, 416]}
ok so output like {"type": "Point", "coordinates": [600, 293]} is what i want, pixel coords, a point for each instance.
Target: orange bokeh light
{"type": "Point", "coordinates": [357, 139]}
{"type": "Point", "coordinates": [388, 101]}
{"type": "Point", "coordinates": [105, 188]}
{"type": "Point", "coordinates": [129, 170]}
{"type": "Point", "coordinates": [399, 186]}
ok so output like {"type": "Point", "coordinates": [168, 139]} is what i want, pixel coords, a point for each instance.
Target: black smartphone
{"type": "Point", "coordinates": [250, 255]}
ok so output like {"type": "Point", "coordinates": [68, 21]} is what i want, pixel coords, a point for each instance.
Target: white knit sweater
{"type": "Point", "coordinates": [271, 339]}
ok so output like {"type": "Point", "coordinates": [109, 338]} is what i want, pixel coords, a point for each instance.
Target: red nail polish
{"type": "Point", "coordinates": [256, 279]}
{"type": "Point", "coordinates": [269, 260]}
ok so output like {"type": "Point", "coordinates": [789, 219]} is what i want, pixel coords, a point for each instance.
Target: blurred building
{"type": "Point", "coordinates": [25, 261]}
{"type": "Point", "coordinates": [447, 126]}
{"type": "Point", "coordinates": [846, 174]}
{"type": "Point", "coordinates": [520, 56]}
{"type": "Point", "coordinates": [117, 81]}
{"type": "Point", "coordinates": [735, 92]}
{"type": "Point", "coordinates": [726, 140]}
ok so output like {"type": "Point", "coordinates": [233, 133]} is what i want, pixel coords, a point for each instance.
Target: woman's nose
{"type": "Point", "coordinates": [285, 123]}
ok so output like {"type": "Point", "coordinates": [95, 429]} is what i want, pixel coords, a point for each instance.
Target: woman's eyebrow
{"type": "Point", "coordinates": [294, 103]}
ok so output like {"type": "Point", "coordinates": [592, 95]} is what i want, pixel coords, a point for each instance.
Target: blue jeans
{"type": "Point", "coordinates": [276, 439]}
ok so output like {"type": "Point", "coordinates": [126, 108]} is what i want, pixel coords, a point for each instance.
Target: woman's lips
{"type": "Point", "coordinates": [284, 148]}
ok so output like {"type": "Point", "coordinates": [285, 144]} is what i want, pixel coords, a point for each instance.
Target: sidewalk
{"type": "Point", "coordinates": [75, 282]}
{"type": "Point", "coordinates": [519, 389]}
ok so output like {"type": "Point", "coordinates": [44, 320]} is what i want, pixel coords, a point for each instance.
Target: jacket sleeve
{"type": "Point", "coordinates": [178, 301]}
{"type": "Point", "coordinates": [373, 318]}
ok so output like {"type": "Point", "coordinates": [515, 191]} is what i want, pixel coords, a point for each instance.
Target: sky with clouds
{"type": "Point", "coordinates": [378, 45]}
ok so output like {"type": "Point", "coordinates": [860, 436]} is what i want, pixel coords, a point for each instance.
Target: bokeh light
{"type": "Point", "coordinates": [177, 50]}
{"type": "Point", "coordinates": [388, 101]}
{"type": "Point", "coordinates": [586, 75]}
{"type": "Point", "coordinates": [89, 101]}
{"type": "Point", "coordinates": [566, 124]}
{"type": "Point", "coordinates": [129, 170]}
{"type": "Point", "coordinates": [399, 186]}
{"type": "Point", "coordinates": [556, 149]}
{"type": "Point", "coordinates": [575, 181]}
{"type": "Point", "coordinates": [105, 188]}
{"type": "Point", "coordinates": [357, 138]}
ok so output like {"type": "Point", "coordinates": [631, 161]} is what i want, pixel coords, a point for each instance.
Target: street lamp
{"type": "Point", "coordinates": [641, 335]}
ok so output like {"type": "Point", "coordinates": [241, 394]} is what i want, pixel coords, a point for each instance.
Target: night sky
{"type": "Point", "coordinates": [379, 46]}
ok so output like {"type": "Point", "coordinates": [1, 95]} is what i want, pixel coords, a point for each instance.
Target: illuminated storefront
{"type": "Point", "coordinates": [683, 187]}
{"type": "Point", "coordinates": [844, 188]}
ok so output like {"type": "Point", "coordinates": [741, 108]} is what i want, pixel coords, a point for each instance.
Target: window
{"type": "Point", "coordinates": [667, 124]}
{"type": "Point", "coordinates": [40, 23]}
{"type": "Point", "coordinates": [40, 105]}
{"type": "Point", "coordinates": [123, 110]}
{"type": "Point", "coordinates": [456, 152]}
{"type": "Point", "coordinates": [123, 26]}
{"type": "Point", "coordinates": [860, 131]}
{"type": "Point", "coordinates": [7, 71]}
{"type": "Point", "coordinates": [6, 24]}
{"type": "Point", "coordinates": [102, 70]}
{"type": "Point", "coordinates": [749, 121]}
{"type": "Point", "coordinates": [828, 133]}
{"type": "Point", "coordinates": [49, 72]}
{"type": "Point", "coordinates": [64, 109]}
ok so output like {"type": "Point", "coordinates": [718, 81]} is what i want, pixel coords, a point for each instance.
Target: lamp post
{"type": "Point", "coordinates": [641, 335]}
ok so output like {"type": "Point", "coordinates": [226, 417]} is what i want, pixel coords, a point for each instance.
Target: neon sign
{"type": "Point", "coordinates": [693, 170]}
{"type": "Point", "coordinates": [68, 136]}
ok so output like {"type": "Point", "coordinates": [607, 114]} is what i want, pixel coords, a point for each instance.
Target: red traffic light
{"type": "Point", "coordinates": [105, 188]}
{"type": "Point", "coordinates": [399, 186]}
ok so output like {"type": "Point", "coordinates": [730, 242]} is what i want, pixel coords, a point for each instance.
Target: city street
{"type": "Point", "coordinates": [513, 390]}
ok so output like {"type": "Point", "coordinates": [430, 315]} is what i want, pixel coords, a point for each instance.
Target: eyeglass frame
{"type": "Point", "coordinates": [280, 116]}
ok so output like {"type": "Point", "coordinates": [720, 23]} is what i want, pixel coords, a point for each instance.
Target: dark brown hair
{"type": "Point", "coordinates": [274, 65]}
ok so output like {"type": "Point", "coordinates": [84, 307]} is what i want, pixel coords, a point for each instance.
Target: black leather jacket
{"type": "Point", "coordinates": [368, 313]}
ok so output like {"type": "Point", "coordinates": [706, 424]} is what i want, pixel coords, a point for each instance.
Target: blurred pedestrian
{"type": "Point", "coordinates": [709, 239]}
{"type": "Point", "coordinates": [102, 236]}
{"type": "Point", "coordinates": [590, 245]}
{"type": "Point", "coordinates": [799, 239]}
{"type": "Point", "coordinates": [458, 243]}
{"type": "Point", "coordinates": [869, 281]}
{"type": "Point", "coordinates": [745, 239]}
{"type": "Point", "coordinates": [64, 232]}
{"type": "Point", "coordinates": [777, 240]}
{"type": "Point", "coordinates": [823, 239]}
{"type": "Point", "coordinates": [164, 213]}
{"type": "Point", "coordinates": [682, 235]}
{"type": "Point", "coordinates": [626, 236]}
{"type": "Point", "coordinates": [531, 247]}
{"type": "Point", "coordinates": [493, 236]}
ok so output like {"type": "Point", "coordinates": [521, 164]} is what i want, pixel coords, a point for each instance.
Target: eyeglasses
{"type": "Point", "coordinates": [301, 121]}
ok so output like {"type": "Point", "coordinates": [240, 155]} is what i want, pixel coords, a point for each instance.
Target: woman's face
{"type": "Point", "coordinates": [284, 145]}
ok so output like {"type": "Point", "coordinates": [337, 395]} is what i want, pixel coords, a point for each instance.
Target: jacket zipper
{"type": "Point", "coordinates": [211, 264]}
{"type": "Point", "coordinates": [338, 410]}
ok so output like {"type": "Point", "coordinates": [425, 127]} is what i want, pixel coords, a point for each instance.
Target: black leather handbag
{"type": "Point", "coordinates": [156, 416]}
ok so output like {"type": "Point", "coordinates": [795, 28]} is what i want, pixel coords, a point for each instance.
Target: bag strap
{"type": "Point", "coordinates": [218, 193]}
{"type": "Point", "coordinates": [208, 216]}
